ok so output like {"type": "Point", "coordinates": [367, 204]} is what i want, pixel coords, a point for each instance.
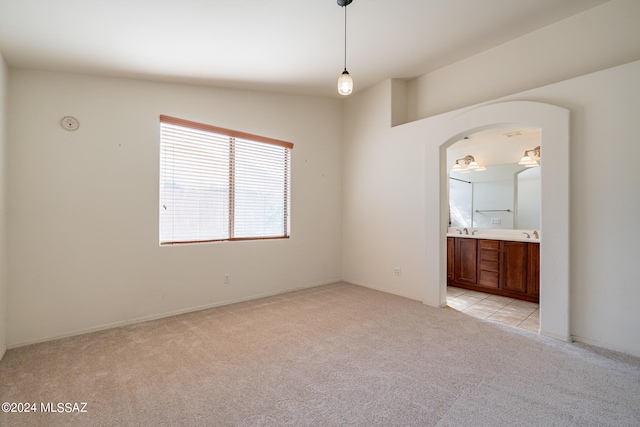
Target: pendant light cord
{"type": "Point", "coordinates": [345, 37]}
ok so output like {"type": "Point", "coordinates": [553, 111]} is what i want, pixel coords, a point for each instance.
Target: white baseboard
{"type": "Point", "coordinates": [596, 343]}
{"type": "Point", "coordinates": [164, 315]}
{"type": "Point", "coordinates": [386, 290]}
{"type": "Point", "coordinates": [3, 350]}
{"type": "Point", "coordinates": [556, 336]}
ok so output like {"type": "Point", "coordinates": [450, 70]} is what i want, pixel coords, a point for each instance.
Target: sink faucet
{"type": "Point", "coordinates": [459, 231]}
{"type": "Point", "coordinates": [473, 233]}
{"type": "Point", "coordinates": [528, 235]}
{"type": "Point", "coordinates": [535, 233]}
{"type": "Point", "coordinates": [465, 231]}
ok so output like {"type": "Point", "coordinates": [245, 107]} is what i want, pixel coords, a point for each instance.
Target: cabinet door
{"type": "Point", "coordinates": [465, 260]}
{"type": "Point", "coordinates": [533, 279]}
{"type": "Point", "coordinates": [451, 248]}
{"type": "Point", "coordinates": [514, 266]}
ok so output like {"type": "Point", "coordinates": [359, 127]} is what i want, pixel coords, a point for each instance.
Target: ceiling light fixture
{"type": "Point", "coordinates": [466, 165]}
{"type": "Point", "coordinates": [529, 158]}
{"type": "Point", "coordinates": [345, 82]}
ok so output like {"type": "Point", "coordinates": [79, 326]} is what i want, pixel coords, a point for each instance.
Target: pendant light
{"type": "Point", "coordinates": [345, 82]}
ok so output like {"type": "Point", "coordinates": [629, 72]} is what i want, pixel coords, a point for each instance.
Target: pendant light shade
{"type": "Point", "coordinates": [345, 82]}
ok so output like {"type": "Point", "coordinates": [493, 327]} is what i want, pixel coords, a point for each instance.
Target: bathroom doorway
{"type": "Point", "coordinates": [494, 226]}
{"type": "Point", "coordinates": [553, 121]}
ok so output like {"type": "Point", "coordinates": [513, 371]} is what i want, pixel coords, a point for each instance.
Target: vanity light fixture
{"type": "Point", "coordinates": [466, 165]}
{"type": "Point", "coordinates": [345, 82]}
{"type": "Point", "coordinates": [531, 158]}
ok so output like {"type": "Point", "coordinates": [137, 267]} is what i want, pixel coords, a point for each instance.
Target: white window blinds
{"type": "Point", "coordinates": [218, 184]}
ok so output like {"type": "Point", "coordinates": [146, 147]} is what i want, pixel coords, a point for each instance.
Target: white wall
{"type": "Point", "coordinates": [84, 218]}
{"type": "Point", "coordinates": [383, 204]}
{"type": "Point", "coordinates": [605, 203]}
{"type": "Point", "coordinates": [596, 39]}
{"type": "Point", "coordinates": [4, 73]}
{"type": "Point", "coordinates": [384, 219]}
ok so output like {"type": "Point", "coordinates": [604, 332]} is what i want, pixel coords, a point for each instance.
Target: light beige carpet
{"type": "Point", "coordinates": [335, 355]}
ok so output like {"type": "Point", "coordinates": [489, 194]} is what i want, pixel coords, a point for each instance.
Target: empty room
{"type": "Point", "coordinates": [319, 213]}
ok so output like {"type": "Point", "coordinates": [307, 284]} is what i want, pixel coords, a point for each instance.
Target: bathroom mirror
{"type": "Point", "coordinates": [504, 196]}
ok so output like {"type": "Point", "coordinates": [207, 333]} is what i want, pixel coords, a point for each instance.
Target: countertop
{"type": "Point", "coordinates": [489, 236]}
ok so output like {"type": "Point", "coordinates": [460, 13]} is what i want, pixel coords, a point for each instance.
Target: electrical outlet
{"type": "Point", "coordinates": [227, 278]}
{"type": "Point", "coordinates": [396, 271]}
{"type": "Point", "coordinates": [496, 220]}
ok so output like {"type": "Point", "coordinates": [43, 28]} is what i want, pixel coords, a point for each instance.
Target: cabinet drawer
{"type": "Point", "coordinates": [489, 265]}
{"type": "Point", "coordinates": [489, 244]}
{"type": "Point", "coordinates": [490, 279]}
{"type": "Point", "coordinates": [489, 255]}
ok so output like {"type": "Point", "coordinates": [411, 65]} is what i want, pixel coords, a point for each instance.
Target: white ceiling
{"type": "Point", "coordinates": [290, 46]}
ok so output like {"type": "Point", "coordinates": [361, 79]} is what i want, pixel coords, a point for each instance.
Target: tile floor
{"type": "Point", "coordinates": [508, 311]}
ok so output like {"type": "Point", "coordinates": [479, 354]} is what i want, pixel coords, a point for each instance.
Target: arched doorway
{"type": "Point", "coordinates": [554, 257]}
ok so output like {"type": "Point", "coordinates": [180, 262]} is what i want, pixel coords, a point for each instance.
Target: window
{"type": "Point", "coordinates": [218, 184]}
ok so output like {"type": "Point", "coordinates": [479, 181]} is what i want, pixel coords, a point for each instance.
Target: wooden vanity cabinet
{"type": "Point", "coordinates": [499, 267]}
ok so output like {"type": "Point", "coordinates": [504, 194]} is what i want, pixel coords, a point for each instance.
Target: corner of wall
{"type": "Point", "coordinates": [3, 226]}
{"type": "Point", "coordinates": [399, 104]}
